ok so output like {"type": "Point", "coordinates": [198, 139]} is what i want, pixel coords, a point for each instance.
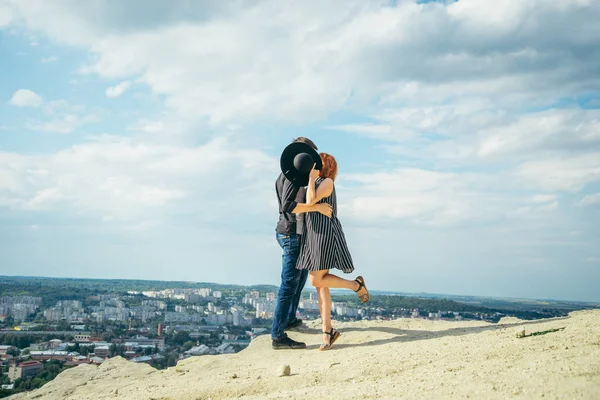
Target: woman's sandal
{"type": "Point", "coordinates": [361, 285]}
{"type": "Point", "coordinates": [334, 337]}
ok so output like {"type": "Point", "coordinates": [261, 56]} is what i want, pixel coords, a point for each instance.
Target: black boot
{"type": "Point", "coordinates": [294, 324]}
{"type": "Point", "coordinates": [287, 343]}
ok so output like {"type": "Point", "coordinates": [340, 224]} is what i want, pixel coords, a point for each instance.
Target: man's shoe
{"type": "Point", "coordinates": [295, 323]}
{"type": "Point", "coordinates": [287, 343]}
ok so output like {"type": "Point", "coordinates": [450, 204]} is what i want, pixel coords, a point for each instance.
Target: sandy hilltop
{"type": "Point", "coordinates": [404, 359]}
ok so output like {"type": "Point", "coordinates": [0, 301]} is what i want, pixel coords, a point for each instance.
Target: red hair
{"type": "Point", "coordinates": [330, 168]}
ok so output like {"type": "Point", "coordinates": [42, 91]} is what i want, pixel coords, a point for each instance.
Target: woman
{"type": "Point", "coordinates": [323, 246]}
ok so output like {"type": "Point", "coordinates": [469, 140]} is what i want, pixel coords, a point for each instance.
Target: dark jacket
{"type": "Point", "coordinates": [288, 196]}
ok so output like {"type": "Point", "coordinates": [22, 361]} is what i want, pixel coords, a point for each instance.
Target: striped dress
{"type": "Point", "coordinates": [323, 244]}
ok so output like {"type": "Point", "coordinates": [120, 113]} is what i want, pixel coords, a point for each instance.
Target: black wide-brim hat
{"type": "Point", "coordinates": [296, 162]}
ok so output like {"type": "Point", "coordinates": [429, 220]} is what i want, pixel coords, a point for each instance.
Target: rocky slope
{"type": "Point", "coordinates": [403, 359]}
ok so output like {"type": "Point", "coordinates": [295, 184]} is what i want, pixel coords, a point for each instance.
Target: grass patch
{"type": "Point", "coordinates": [524, 334]}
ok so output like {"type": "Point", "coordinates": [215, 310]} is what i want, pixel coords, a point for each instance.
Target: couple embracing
{"type": "Point", "coordinates": [312, 240]}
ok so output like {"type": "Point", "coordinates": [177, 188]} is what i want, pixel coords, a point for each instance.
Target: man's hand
{"type": "Point", "coordinates": [324, 208]}
{"type": "Point", "coordinates": [314, 173]}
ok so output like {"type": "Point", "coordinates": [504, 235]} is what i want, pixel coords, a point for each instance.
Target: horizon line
{"type": "Point", "coordinates": [388, 292]}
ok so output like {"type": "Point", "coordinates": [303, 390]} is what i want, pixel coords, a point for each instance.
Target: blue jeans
{"type": "Point", "coordinates": [292, 283]}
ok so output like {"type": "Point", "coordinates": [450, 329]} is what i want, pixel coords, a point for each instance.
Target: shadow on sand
{"type": "Point", "coordinates": [408, 335]}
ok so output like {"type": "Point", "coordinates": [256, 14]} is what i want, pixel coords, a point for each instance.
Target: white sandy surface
{"type": "Point", "coordinates": [401, 359]}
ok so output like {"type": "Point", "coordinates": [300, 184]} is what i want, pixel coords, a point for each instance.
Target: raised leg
{"type": "Point", "coordinates": [325, 279]}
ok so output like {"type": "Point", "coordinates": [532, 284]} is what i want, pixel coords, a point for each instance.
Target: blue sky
{"type": "Point", "coordinates": [141, 140]}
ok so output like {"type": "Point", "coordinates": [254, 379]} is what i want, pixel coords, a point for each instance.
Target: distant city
{"type": "Point", "coordinates": [50, 324]}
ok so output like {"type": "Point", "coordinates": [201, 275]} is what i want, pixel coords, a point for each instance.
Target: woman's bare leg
{"type": "Point", "coordinates": [325, 309]}
{"type": "Point", "coordinates": [325, 279]}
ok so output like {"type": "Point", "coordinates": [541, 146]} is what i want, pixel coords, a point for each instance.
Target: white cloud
{"type": "Point", "coordinates": [591, 199]}
{"type": "Point", "coordinates": [377, 131]}
{"type": "Point", "coordinates": [116, 179]}
{"type": "Point", "coordinates": [44, 197]}
{"type": "Point", "coordinates": [49, 59]}
{"type": "Point", "coordinates": [25, 98]}
{"type": "Point", "coordinates": [449, 100]}
{"type": "Point", "coordinates": [484, 134]}
{"type": "Point", "coordinates": [148, 126]}
{"type": "Point", "coordinates": [543, 198]}
{"type": "Point", "coordinates": [62, 118]}
{"type": "Point", "coordinates": [118, 90]}
{"type": "Point", "coordinates": [560, 173]}
{"type": "Point", "coordinates": [6, 14]}
{"type": "Point", "coordinates": [532, 210]}
{"type": "Point", "coordinates": [560, 130]}
{"type": "Point", "coordinates": [253, 61]}
{"type": "Point", "coordinates": [421, 197]}
{"type": "Point", "coordinates": [548, 207]}
{"type": "Point", "coordinates": [64, 124]}
{"type": "Point", "coordinates": [556, 149]}
{"type": "Point", "coordinates": [56, 107]}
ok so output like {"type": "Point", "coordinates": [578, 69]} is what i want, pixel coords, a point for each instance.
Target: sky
{"type": "Point", "coordinates": [141, 139]}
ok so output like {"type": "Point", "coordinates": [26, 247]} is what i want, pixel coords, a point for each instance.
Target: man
{"type": "Point", "coordinates": [292, 280]}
